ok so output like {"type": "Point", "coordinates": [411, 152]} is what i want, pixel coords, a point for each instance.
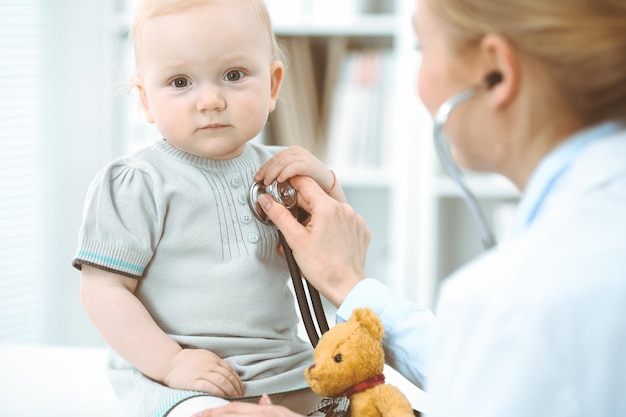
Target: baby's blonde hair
{"type": "Point", "coordinates": [580, 43]}
{"type": "Point", "coordinates": [148, 9]}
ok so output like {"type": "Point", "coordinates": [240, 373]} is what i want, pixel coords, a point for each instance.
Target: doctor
{"type": "Point", "coordinates": [536, 326]}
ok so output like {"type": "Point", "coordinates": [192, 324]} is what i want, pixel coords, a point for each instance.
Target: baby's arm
{"type": "Point", "coordinates": [296, 160]}
{"type": "Point", "coordinates": [128, 328]}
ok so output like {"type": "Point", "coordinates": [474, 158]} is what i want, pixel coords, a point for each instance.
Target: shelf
{"type": "Point", "coordinates": [374, 25]}
{"type": "Point", "coordinates": [483, 186]}
{"type": "Point", "coordinates": [357, 26]}
{"type": "Point", "coordinates": [363, 178]}
{"type": "Point", "coordinates": [381, 25]}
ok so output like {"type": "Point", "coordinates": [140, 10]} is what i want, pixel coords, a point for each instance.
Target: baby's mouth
{"type": "Point", "coordinates": [212, 126]}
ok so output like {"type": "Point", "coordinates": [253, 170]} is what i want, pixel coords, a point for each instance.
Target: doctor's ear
{"type": "Point", "coordinates": [502, 69]}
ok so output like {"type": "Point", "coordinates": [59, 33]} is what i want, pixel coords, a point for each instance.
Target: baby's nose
{"type": "Point", "coordinates": [210, 98]}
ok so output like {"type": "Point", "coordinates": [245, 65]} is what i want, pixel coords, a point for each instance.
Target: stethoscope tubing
{"type": "Point", "coordinates": [441, 117]}
{"type": "Point", "coordinates": [301, 297]}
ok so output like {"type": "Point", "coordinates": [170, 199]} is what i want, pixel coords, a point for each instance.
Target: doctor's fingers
{"type": "Point", "coordinates": [330, 219]}
{"type": "Point", "coordinates": [310, 194]}
{"type": "Point", "coordinates": [283, 219]}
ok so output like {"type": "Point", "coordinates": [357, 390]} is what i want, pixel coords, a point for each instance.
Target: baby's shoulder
{"type": "Point", "coordinates": [140, 170]}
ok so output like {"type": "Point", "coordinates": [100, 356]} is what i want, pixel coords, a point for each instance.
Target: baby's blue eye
{"type": "Point", "coordinates": [180, 83]}
{"type": "Point", "coordinates": [234, 75]}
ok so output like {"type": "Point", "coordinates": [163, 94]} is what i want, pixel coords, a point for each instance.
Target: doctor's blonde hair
{"type": "Point", "coordinates": [580, 43]}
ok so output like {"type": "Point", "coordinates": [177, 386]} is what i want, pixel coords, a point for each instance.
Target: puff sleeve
{"type": "Point", "coordinates": [122, 220]}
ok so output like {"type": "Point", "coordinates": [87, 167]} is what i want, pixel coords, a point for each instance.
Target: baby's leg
{"type": "Point", "coordinates": [300, 401]}
{"type": "Point", "coordinates": [194, 405]}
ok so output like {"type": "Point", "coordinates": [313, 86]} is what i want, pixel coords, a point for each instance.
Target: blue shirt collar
{"type": "Point", "coordinates": [551, 169]}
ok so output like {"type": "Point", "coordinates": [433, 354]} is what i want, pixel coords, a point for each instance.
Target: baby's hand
{"type": "Point", "coordinates": [295, 161]}
{"type": "Point", "coordinates": [201, 370]}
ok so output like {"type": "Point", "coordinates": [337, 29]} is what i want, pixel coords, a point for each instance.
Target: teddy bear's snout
{"type": "Point", "coordinates": [311, 367]}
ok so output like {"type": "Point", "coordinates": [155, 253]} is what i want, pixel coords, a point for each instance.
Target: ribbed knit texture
{"type": "Point", "coordinates": [209, 273]}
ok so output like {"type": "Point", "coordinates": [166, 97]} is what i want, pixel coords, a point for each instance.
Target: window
{"type": "Point", "coordinates": [22, 179]}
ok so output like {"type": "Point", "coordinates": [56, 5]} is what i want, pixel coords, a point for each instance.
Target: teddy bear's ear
{"type": "Point", "coordinates": [368, 319]}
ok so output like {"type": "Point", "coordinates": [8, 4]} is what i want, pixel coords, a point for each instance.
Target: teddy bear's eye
{"type": "Point", "coordinates": [338, 358]}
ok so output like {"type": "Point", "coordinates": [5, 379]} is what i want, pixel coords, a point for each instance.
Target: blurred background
{"type": "Point", "coordinates": [349, 96]}
{"type": "Point", "coordinates": [55, 131]}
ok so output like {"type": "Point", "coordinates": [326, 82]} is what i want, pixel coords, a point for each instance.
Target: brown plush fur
{"type": "Point", "coordinates": [348, 354]}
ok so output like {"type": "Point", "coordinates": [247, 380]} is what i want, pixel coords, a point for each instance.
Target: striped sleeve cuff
{"type": "Point", "coordinates": [124, 261]}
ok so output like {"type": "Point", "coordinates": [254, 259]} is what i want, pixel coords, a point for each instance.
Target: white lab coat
{"type": "Point", "coordinates": [537, 326]}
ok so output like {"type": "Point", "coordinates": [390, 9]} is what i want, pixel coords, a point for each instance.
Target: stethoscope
{"type": "Point", "coordinates": [443, 152]}
{"type": "Point", "coordinates": [285, 194]}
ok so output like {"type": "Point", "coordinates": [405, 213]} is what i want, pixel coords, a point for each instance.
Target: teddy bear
{"type": "Point", "coordinates": [347, 371]}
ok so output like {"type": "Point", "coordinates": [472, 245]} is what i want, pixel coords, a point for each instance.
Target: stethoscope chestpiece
{"type": "Point", "coordinates": [282, 192]}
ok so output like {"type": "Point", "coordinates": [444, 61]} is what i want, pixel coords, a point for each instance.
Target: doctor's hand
{"type": "Point", "coordinates": [264, 408]}
{"type": "Point", "coordinates": [331, 249]}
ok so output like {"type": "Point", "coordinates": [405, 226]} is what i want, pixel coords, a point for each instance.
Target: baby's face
{"type": "Point", "coordinates": [206, 77]}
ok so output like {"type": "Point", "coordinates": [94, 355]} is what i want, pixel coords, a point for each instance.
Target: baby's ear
{"type": "Point", "coordinates": [277, 72]}
{"type": "Point", "coordinates": [143, 98]}
{"type": "Point", "coordinates": [370, 321]}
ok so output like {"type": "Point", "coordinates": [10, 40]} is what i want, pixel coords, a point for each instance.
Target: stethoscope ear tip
{"type": "Point", "coordinates": [493, 78]}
